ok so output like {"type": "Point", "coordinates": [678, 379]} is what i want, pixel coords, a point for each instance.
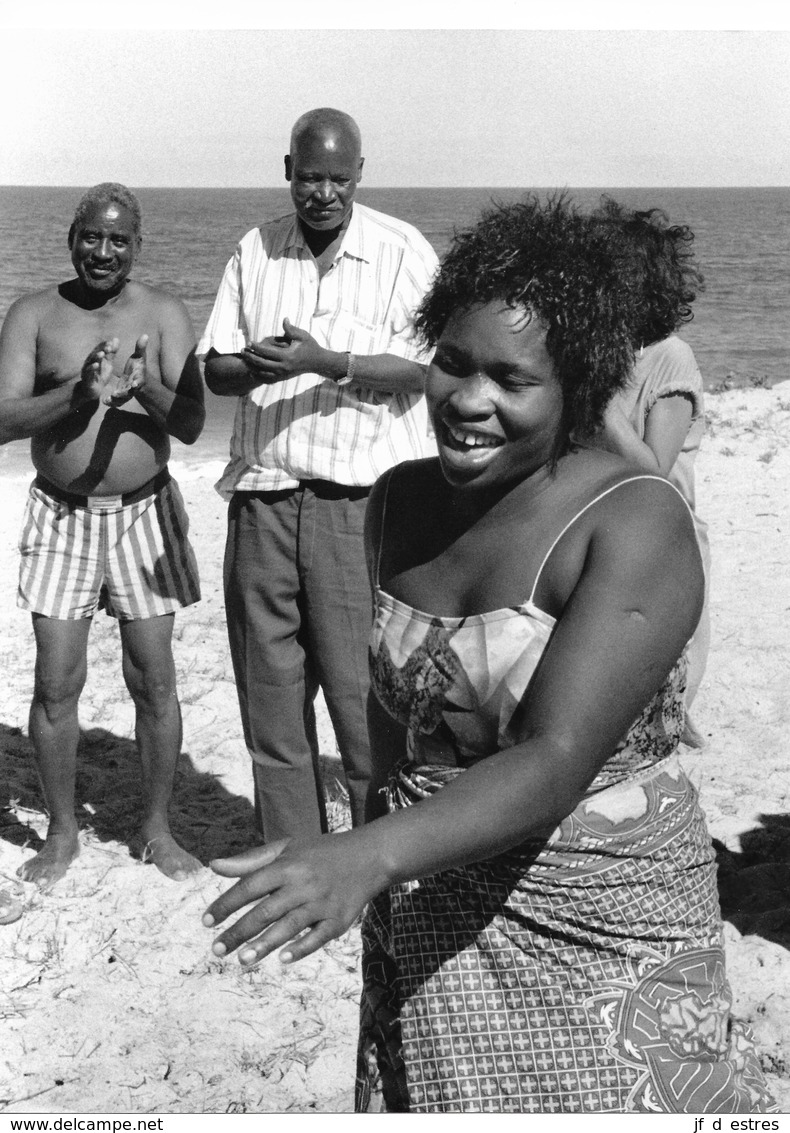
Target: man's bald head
{"type": "Point", "coordinates": [333, 127]}
{"type": "Point", "coordinates": [323, 168]}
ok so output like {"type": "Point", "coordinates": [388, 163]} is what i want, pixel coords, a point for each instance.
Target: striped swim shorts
{"type": "Point", "coordinates": [127, 555]}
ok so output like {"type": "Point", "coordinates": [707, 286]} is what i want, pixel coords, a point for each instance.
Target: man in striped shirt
{"type": "Point", "coordinates": [312, 331]}
{"type": "Point", "coordinates": [99, 371]}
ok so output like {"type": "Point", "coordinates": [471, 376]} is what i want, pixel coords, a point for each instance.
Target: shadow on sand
{"type": "Point", "coordinates": [206, 819]}
{"type": "Point", "coordinates": [754, 885]}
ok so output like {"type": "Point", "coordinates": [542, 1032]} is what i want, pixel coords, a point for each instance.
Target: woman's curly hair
{"type": "Point", "coordinates": [559, 265]}
{"type": "Point", "coordinates": [657, 261]}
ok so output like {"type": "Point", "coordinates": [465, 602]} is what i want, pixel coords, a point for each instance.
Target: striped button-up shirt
{"type": "Point", "coordinates": [307, 427]}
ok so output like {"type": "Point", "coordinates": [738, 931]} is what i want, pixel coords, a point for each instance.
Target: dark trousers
{"type": "Point", "coordinates": [299, 611]}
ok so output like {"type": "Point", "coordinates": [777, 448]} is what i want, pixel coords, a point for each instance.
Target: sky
{"type": "Point", "coordinates": [439, 104]}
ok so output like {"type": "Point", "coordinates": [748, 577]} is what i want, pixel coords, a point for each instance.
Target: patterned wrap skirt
{"type": "Point", "coordinates": [583, 973]}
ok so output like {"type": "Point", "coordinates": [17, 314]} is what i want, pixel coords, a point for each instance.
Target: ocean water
{"type": "Point", "coordinates": [741, 326]}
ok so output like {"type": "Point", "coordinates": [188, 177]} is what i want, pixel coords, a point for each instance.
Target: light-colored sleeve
{"type": "Point", "coordinates": [226, 330]}
{"type": "Point", "coordinates": [415, 277]}
{"type": "Point", "coordinates": [671, 369]}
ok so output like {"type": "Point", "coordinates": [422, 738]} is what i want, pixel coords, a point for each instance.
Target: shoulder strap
{"type": "Point", "coordinates": [587, 507]}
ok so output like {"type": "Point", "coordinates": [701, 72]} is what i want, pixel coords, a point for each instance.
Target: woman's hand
{"type": "Point", "coordinates": [317, 888]}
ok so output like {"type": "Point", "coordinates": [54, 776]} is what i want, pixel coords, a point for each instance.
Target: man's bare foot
{"type": "Point", "coordinates": [51, 862]}
{"type": "Point", "coordinates": [168, 857]}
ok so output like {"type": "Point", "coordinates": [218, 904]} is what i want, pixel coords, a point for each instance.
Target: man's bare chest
{"type": "Point", "coordinates": [66, 339]}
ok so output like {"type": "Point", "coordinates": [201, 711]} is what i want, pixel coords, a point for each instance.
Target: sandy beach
{"type": "Point", "coordinates": [110, 998]}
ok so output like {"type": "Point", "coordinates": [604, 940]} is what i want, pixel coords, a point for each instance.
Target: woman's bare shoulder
{"type": "Point", "coordinates": [612, 512]}
{"type": "Point", "coordinates": [619, 495]}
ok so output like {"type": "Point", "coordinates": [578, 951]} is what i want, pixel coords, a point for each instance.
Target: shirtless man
{"type": "Point", "coordinates": [99, 372]}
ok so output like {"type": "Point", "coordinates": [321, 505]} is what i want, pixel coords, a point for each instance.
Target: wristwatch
{"type": "Point", "coordinates": [349, 375]}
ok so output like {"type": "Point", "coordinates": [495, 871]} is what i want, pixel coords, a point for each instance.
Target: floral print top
{"type": "Point", "coordinates": [456, 683]}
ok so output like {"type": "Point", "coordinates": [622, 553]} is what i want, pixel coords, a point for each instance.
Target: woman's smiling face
{"type": "Point", "coordinates": [494, 398]}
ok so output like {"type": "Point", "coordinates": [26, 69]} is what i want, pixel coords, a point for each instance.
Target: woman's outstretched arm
{"type": "Point", "coordinates": [632, 610]}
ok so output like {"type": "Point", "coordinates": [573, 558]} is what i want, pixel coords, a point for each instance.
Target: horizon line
{"type": "Point", "coordinates": [390, 188]}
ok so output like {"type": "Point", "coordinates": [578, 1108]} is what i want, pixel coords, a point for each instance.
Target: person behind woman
{"type": "Point", "coordinates": [658, 419]}
{"type": "Point", "coordinates": [543, 932]}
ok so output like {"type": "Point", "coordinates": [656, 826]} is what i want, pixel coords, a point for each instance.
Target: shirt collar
{"type": "Point", "coordinates": [352, 243]}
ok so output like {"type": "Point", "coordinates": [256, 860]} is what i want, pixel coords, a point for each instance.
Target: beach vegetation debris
{"type": "Point", "coordinates": [723, 386]}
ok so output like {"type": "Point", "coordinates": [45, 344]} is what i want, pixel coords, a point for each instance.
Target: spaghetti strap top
{"type": "Point", "coordinates": [586, 508]}
{"type": "Point", "coordinates": [557, 539]}
{"type": "Point", "coordinates": [456, 682]}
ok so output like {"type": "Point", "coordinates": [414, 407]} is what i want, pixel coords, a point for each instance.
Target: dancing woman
{"type": "Point", "coordinates": [542, 929]}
